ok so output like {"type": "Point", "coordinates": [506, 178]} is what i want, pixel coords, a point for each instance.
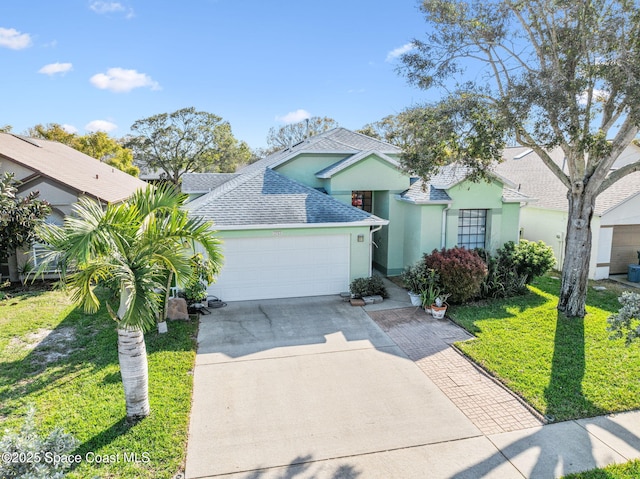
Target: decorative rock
{"type": "Point", "coordinates": [373, 299]}
{"type": "Point", "coordinates": [599, 288]}
{"type": "Point", "coordinates": [177, 309]}
{"type": "Point", "coordinates": [357, 302]}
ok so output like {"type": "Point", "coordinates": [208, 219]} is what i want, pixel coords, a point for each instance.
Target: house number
{"type": "Point", "coordinates": [277, 233]}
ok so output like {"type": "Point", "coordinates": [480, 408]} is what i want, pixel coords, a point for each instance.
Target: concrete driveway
{"type": "Point", "coordinates": [314, 386]}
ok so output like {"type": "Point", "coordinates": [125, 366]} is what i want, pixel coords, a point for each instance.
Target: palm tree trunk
{"type": "Point", "coordinates": [132, 356]}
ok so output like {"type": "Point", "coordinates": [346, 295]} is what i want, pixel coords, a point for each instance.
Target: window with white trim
{"type": "Point", "coordinates": [472, 228]}
{"type": "Point", "coordinates": [39, 253]}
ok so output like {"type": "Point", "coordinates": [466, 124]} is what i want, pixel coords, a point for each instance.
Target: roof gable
{"type": "Point", "coordinates": [345, 163]}
{"type": "Point", "coordinates": [336, 141]}
{"type": "Point", "coordinates": [80, 172]}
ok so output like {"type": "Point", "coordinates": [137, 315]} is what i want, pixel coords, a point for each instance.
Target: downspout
{"type": "Point", "coordinates": [443, 237]}
{"type": "Point", "coordinates": [371, 245]}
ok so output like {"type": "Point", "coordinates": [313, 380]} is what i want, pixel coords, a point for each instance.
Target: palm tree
{"type": "Point", "coordinates": [130, 249]}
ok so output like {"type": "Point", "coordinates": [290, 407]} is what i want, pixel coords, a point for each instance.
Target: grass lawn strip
{"type": "Point", "coordinates": [65, 362]}
{"type": "Point", "coordinates": [566, 368]}
{"type": "Point", "coordinates": [629, 470]}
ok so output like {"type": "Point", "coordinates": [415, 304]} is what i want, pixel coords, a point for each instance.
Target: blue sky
{"type": "Point", "coordinates": [91, 64]}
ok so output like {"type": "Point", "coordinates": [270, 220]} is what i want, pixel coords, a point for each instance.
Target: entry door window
{"type": "Point", "coordinates": [362, 200]}
{"type": "Point", "coordinates": [472, 228]}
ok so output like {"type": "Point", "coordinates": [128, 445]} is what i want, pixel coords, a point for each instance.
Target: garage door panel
{"type": "Point", "coordinates": [624, 246]}
{"type": "Point", "coordinates": [284, 266]}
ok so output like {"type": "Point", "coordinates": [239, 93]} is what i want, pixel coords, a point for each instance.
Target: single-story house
{"type": "Point", "coordinates": [62, 175]}
{"type": "Point", "coordinates": [616, 220]}
{"type": "Point", "coordinates": [310, 218]}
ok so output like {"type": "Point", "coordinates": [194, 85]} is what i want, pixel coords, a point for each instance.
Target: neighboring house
{"type": "Point", "coordinates": [310, 218]}
{"type": "Point", "coordinates": [616, 220]}
{"type": "Point", "coordinates": [61, 175]}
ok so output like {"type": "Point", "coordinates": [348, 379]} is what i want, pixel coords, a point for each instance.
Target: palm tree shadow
{"type": "Point", "coordinates": [301, 465]}
{"type": "Point", "coordinates": [558, 445]}
{"type": "Point", "coordinates": [104, 437]}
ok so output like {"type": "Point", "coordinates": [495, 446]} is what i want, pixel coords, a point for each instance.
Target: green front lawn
{"type": "Point", "coordinates": [72, 377]}
{"type": "Point", "coordinates": [565, 368]}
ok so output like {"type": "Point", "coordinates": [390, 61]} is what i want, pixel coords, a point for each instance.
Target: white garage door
{"type": "Point", "coordinates": [283, 267]}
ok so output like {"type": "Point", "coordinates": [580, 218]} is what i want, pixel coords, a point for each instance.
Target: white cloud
{"type": "Point", "coordinates": [69, 128]}
{"type": "Point", "coordinates": [396, 52]}
{"type": "Point", "coordinates": [120, 80]}
{"type": "Point", "coordinates": [294, 116]}
{"type": "Point", "coordinates": [100, 125]}
{"type": "Point", "coordinates": [111, 7]}
{"type": "Point", "coordinates": [53, 68]}
{"type": "Point", "coordinates": [598, 96]}
{"type": "Point", "coordinates": [13, 39]}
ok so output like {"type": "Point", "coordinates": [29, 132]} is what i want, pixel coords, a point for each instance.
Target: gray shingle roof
{"type": "Point", "coordinates": [338, 140]}
{"type": "Point", "coordinates": [204, 182]}
{"type": "Point", "coordinates": [419, 192]}
{"type": "Point", "coordinates": [435, 190]}
{"type": "Point", "coordinates": [536, 180]}
{"type": "Point", "coordinates": [265, 197]}
{"type": "Point", "coordinates": [61, 163]}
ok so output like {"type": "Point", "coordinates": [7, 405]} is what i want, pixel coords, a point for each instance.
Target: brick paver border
{"type": "Point", "coordinates": [428, 342]}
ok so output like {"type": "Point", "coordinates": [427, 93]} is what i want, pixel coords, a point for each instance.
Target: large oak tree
{"type": "Point", "coordinates": [186, 141]}
{"type": "Point", "coordinates": [550, 74]}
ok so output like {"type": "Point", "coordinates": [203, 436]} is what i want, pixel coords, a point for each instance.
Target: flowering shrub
{"type": "Point", "coordinates": [461, 272]}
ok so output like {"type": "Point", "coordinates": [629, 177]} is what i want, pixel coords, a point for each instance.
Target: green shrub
{"type": "Point", "coordinates": [416, 277]}
{"type": "Point", "coordinates": [461, 272]}
{"type": "Point", "coordinates": [371, 286]}
{"type": "Point", "coordinates": [532, 258]}
{"type": "Point", "coordinates": [503, 279]}
{"type": "Point", "coordinates": [35, 455]}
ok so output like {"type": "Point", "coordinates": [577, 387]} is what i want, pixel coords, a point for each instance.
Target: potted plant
{"type": "Point", "coordinates": [195, 292]}
{"type": "Point", "coordinates": [414, 278]}
{"type": "Point", "coordinates": [439, 306]}
{"type": "Point", "coordinates": [428, 297]}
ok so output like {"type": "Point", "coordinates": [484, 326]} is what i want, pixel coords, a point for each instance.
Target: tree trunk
{"type": "Point", "coordinates": [575, 269]}
{"type": "Point", "coordinates": [132, 356]}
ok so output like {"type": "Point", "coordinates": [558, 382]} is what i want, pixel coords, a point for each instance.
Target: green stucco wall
{"type": "Point", "coordinates": [303, 168]}
{"type": "Point", "coordinates": [369, 174]}
{"type": "Point", "coordinates": [360, 251]}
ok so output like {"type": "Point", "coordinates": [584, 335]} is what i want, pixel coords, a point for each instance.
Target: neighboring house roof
{"type": "Point", "coordinates": [265, 197]}
{"type": "Point", "coordinates": [525, 168]}
{"type": "Point", "coordinates": [335, 141]}
{"type": "Point", "coordinates": [61, 163]}
{"type": "Point", "coordinates": [345, 163]}
{"type": "Point", "coordinates": [193, 183]}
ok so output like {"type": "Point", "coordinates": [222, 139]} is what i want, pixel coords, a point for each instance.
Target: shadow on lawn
{"type": "Point", "coordinates": [77, 349]}
{"type": "Point", "coordinates": [564, 395]}
{"type": "Point", "coordinates": [563, 444]}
